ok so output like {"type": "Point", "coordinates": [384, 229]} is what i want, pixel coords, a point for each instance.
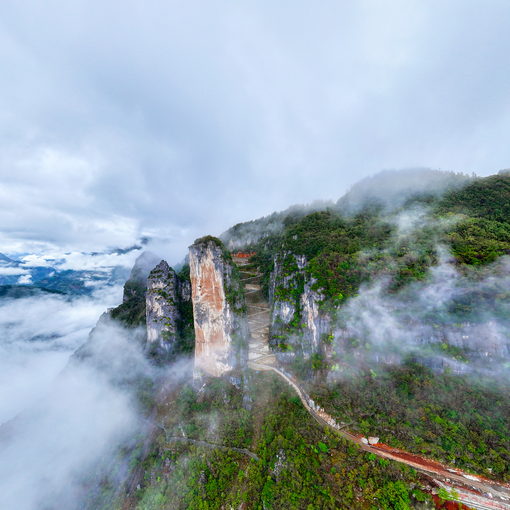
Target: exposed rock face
{"type": "Point", "coordinates": [316, 323]}
{"type": "Point", "coordinates": [298, 326]}
{"type": "Point", "coordinates": [301, 327]}
{"type": "Point", "coordinates": [156, 313]}
{"type": "Point", "coordinates": [221, 335]}
{"type": "Point", "coordinates": [162, 312]}
{"type": "Point", "coordinates": [168, 298]}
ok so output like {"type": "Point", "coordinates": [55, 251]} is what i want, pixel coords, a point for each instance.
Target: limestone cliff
{"type": "Point", "coordinates": [162, 312]}
{"type": "Point", "coordinates": [157, 301]}
{"type": "Point", "coordinates": [221, 336]}
{"type": "Point", "coordinates": [299, 327]}
{"type": "Point", "coordinates": [168, 313]}
{"type": "Point", "coordinates": [306, 326]}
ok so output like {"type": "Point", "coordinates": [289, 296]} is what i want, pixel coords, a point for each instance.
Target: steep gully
{"type": "Point", "coordinates": [472, 491]}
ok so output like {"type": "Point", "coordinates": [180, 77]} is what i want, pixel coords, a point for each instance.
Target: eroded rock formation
{"type": "Point", "coordinates": [162, 313]}
{"type": "Point", "coordinates": [167, 296]}
{"type": "Point", "coordinates": [298, 325]}
{"type": "Point", "coordinates": [221, 336]}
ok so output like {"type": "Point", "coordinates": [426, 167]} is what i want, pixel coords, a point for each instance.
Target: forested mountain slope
{"type": "Point", "coordinates": [393, 314]}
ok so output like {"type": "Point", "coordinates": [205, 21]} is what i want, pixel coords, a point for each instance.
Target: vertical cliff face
{"type": "Point", "coordinates": [316, 322]}
{"type": "Point", "coordinates": [162, 313]}
{"type": "Point", "coordinates": [299, 328]}
{"type": "Point", "coordinates": [221, 336]}
{"type": "Point", "coordinates": [305, 326]}
{"type": "Point", "coordinates": [167, 298]}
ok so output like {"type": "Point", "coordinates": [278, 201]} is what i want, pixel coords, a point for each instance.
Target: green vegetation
{"type": "Point", "coordinates": [289, 461]}
{"type": "Point", "coordinates": [344, 251]}
{"type": "Point", "coordinates": [207, 239]}
{"type": "Point", "coordinates": [299, 464]}
{"type": "Point", "coordinates": [336, 254]}
{"type": "Point", "coordinates": [131, 312]}
{"type": "Point", "coordinates": [483, 233]}
{"type": "Point", "coordinates": [476, 241]}
{"type": "Point", "coordinates": [450, 418]}
{"type": "Point", "coordinates": [185, 326]}
{"type": "Point", "coordinates": [331, 246]}
{"type": "Point", "coordinates": [487, 198]}
{"type": "Point", "coordinates": [234, 290]}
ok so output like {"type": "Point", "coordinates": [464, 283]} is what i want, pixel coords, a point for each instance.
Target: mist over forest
{"type": "Point", "coordinates": [254, 256]}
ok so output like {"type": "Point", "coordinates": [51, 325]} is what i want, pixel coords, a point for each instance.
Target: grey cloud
{"type": "Point", "coordinates": [183, 119]}
{"type": "Point", "coordinates": [37, 336]}
{"type": "Point", "coordinates": [52, 404]}
{"type": "Point", "coordinates": [44, 459]}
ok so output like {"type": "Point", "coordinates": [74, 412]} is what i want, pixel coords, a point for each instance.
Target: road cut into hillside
{"type": "Point", "coordinates": [471, 490]}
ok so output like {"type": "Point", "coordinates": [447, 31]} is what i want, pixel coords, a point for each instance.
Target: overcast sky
{"type": "Point", "coordinates": [178, 119]}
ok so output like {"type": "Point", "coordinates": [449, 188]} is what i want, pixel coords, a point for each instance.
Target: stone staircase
{"type": "Point", "coordinates": [259, 354]}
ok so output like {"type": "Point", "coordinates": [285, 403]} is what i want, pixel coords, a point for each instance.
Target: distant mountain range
{"type": "Point", "coordinates": [5, 258]}
{"type": "Point", "coordinates": [17, 279]}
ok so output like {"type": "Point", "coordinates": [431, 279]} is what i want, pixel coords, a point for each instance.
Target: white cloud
{"type": "Point", "coordinates": [38, 260]}
{"type": "Point", "coordinates": [85, 261]}
{"type": "Point", "coordinates": [12, 271]}
{"type": "Point", "coordinates": [25, 279]}
{"type": "Point", "coordinates": [425, 313]}
{"type": "Point", "coordinates": [45, 457]}
{"type": "Point", "coordinates": [38, 335]}
{"type": "Point", "coordinates": [57, 407]}
{"type": "Point", "coordinates": [75, 260]}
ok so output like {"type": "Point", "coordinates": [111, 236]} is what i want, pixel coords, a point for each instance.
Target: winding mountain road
{"type": "Point", "coordinates": [473, 491]}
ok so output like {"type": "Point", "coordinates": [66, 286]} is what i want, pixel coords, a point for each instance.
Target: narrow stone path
{"type": "Point", "coordinates": [200, 442]}
{"type": "Point", "coordinates": [473, 491]}
{"type": "Point", "coordinates": [258, 316]}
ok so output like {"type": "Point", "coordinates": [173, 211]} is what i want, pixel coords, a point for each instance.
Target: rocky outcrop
{"type": "Point", "coordinates": [164, 299]}
{"type": "Point", "coordinates": [316, 323]}
{"type": "Point", "coordinates": [221, 335]}
{"type": "Point", "coordinates": [156, 314]}
{"type": "Point", "coordinates": [131, 312]}
{"type": "Point", "coordinates": [299, 327]}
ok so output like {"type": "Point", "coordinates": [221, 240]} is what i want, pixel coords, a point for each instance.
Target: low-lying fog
{"type": "Point", "coordinates": [37, 336]}
{"type": "Point", "coordinates": [58, 419]}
